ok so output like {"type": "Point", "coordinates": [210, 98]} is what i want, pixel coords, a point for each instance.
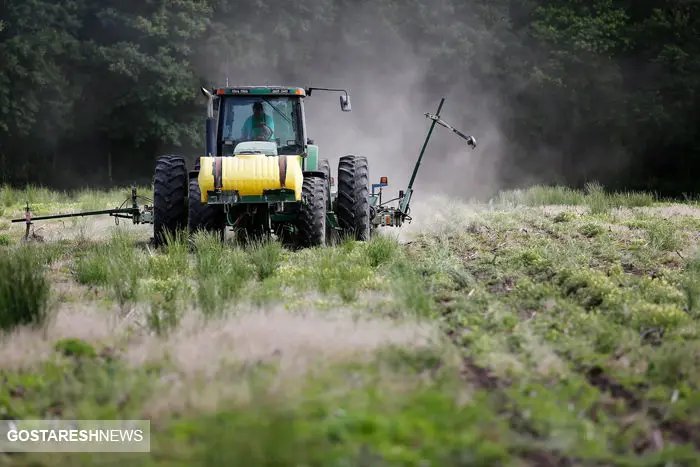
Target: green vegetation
{"type": "Point", "coordinates": [24, 289]}
{"type": "Point", "coordinates": [568, 335]}
{"type": "Point", "coordinates": [44, 201]}
{"type": "Point", "coordinates": [594, 197]}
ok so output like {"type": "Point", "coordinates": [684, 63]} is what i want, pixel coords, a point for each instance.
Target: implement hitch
{"type": "Point", "coordinates": [381, 214]}
{"type": "Point", "coordinates": [136, 214]}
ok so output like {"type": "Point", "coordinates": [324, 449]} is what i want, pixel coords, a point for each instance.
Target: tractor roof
{"type": "Point", "coordinates": [262, 90]}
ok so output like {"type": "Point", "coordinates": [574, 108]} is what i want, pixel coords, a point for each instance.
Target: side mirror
{"type": "Point", "coordinates": [345, 103]}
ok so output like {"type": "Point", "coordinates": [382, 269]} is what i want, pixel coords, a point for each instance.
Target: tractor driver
{"type": "Point", "coordinates": [259, 126]}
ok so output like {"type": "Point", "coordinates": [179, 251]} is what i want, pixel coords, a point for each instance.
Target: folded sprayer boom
{"type": "Point", "coordinates": [395, 216]}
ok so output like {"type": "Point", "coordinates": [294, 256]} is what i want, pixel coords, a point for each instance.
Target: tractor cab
{"type": "Point", "coordinates": [265, 120]}
{"type": "Point", "coordinates": [260, 121]}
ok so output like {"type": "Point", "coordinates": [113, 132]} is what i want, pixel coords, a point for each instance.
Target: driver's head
{"type": "Point", "coordinates": [257, 109]}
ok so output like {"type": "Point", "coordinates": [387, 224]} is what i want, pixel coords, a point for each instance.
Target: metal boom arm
{"type": "Point", "coordinates": [471, 141]}
{"type": "Point", "coordinates": [403, 205]}
{"type": "Point", "coordinates": [136, 214]}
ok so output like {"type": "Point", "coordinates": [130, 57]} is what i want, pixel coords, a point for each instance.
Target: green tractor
{"type": "Point", "coordinates": [262, 175]}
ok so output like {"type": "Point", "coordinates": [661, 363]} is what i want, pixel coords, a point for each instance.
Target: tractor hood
{"type": "Point", "coordinates": [268, 148]}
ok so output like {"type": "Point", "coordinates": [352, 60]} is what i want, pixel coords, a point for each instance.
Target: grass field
{"type": "Point", "coordinates": [547, 327]}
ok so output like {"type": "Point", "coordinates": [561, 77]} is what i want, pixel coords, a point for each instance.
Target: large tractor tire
{"type": "Point", "coordinates": [204, 217]}
{"type": "Point", "coordinates": [325, 167]}
{"type": "Point", "coordinates": [169, 198]}
{"type": "Point", "coordinates": [352, 202]}
{"type": "Point", "coordinates": [332, 236]}
{"type": "Point", "coordinates": [311, 225]}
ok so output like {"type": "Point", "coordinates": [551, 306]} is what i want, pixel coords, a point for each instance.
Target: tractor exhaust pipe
{"type": "Point", "coordinates": [210, 140]}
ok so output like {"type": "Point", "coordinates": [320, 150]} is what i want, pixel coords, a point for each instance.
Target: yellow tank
{"type": "Point", "coordinates": [250, 174]}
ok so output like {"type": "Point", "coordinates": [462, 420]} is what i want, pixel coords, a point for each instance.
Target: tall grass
{"type": "Point", "coordinates": [691, 285]}
{"type": "Point", "coordinates": [664, 235]}
{"type": "Point", "coordinates": [24, 288]}
{"type": "Point", "coordinates": [266, 257]}
{"type": "Point", "coordinates": [594, 196]}
{"type": "Point", "coordinates": [116, 264]}
{"type": "Point", "coordinates": [540, 195]}
{"type": "Point", "coordinates": [85, 199]}
{"type": "Point", "coordinates": [221, 272]}
{"type": "Point", "coordinates": [381, 249]}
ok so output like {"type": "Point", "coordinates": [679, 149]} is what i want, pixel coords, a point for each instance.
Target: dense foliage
{"type": "Point", "coordinates": [92, 92]}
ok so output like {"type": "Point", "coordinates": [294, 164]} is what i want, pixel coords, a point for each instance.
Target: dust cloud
{"type": "Point", "coordinates": [389, 80]}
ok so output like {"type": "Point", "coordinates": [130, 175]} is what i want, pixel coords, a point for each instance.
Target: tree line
{"type": "Point", "coordinates": [92, 92]}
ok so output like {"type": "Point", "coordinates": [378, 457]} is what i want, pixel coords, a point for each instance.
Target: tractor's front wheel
{"type": "Point", "coordinates": [352, 202]}
{"type": "Point", "coordinates": [311, 225]}
{"type": "Point", "coordinates": [169, 198]}
{"type": "Point", "coordinates": [325, 167]}
{"type": "Point", "coordinates": [202, 216]}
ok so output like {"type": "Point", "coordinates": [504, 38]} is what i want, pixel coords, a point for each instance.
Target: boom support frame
{"type": "Point", "coordinates": [135, 213]}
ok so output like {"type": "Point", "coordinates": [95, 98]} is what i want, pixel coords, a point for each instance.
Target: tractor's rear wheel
{"type": "Point", "coordinates": [169, 198]}
{"type": "Point", "coordinates": [202, 216]}
{"type": "Point", "coordinates": [311, 225]}
{"type": "Point", "coordinates": [352, 203]}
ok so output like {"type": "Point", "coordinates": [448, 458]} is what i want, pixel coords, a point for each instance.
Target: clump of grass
{"type": "Point", "coordinates": [172, 259]}
{"type": "Point", "coordinates": [222, 272]}
{"type": "Point", "coordinates": [24, 289]}
{"type": "Point", "coordinates": [342, 270]}
{"type": "Point", "coordinates": [411, 291]}
{"type": "Point", "coordinates": [5, 240]}
{"type": "Point", "coordinates": [126, 267]}
{"type": "Point", "coordinates": [691, 284]}
{"type": "Point", "coordinates": [167, 303]}
{"type": "Point", "coordinates": [92, 267]}
{"type": "Point", "coordinates": [116, 264]}
{"type": "Point", "coordinates": [663, 235]}
{"type": "Point", "coordinates": [266, 256]}
{"type": "Point", "coordinates": [596, 198]}
{"type": "Point", "coordinates": [563, 217]}
{"type": "Point", "coordinates": [381, 249]}
{"type": "Point", "coordinates": [591, 229]}
{"type": "Point", "coordinates": [72, 347]}
{"type": "Point", "coordinates": [418, 277]}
